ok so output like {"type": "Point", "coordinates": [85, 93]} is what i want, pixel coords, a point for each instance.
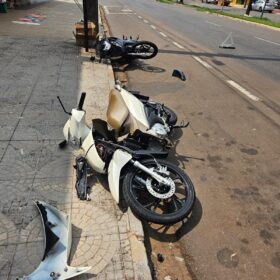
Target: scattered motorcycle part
{"type": "Point", "coordinates": [62, 144]}
{"type": "Point", "coordinates": [179, 74]}
{"type": "Point", "coordinates": [58, 239]}
{"type": "Point", "coordinates": [163, 205]}
{"type": "Point", "coordinates": [81, 178]}
{"type": "Point", "coordinates": [160, 257]}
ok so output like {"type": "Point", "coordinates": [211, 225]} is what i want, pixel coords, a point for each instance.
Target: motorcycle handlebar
{"type": "Point", "coordinates": [81, 102]}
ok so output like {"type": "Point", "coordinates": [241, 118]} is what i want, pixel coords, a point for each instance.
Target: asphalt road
{"type": "Point", "coordinates": [231, 150]}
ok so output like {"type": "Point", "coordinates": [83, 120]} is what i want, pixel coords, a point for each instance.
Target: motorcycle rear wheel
{"type": "Point", "coordinates": [150, 207]}
{"type": "Point", "coordinates": [143, 50]}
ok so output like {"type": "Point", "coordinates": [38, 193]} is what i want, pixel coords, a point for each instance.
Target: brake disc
{"type": "Point", "coordinates": [160, 195]}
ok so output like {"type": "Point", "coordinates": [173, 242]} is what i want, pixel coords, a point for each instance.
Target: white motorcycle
{"type": "Point", "coordinates": [156, 190]}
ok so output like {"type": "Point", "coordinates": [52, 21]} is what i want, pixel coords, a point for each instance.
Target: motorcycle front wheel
{"type": "Point", "coordinates": [143, 50]}
{"type": "Point", "coordinates": [158, 203]}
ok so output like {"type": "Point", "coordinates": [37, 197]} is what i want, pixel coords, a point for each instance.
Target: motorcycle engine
{"type": "Point", "coordinates": [159, 130]}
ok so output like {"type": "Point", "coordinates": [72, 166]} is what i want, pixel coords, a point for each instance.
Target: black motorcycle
{"type": "Point", "coordinates": [126, 49]}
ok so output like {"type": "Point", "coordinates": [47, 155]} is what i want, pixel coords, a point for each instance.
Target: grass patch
{"type": "Point", "coordinates": [166, 1]}
{"type": "Point", "coordinates": [264, 21]}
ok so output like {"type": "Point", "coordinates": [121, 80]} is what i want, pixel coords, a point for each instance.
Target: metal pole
{"type": "Point", "coordinates": [263, 9]}
{"type": "Point", "coordinates": [85, 24]}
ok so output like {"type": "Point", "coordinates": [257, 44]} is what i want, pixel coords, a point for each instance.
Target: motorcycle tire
{"type": "Point", "coordinates": [142, 46]}
{"type": "Point", "coordinates": [172, 116]}
{"type": "Point", "coordinates": [167, 210]}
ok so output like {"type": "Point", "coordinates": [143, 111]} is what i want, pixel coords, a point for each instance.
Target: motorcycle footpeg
{"type": "Point", "coordinates": [182, 125]}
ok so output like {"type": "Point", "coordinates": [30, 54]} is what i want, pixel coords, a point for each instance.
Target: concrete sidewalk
{"type": "Point", "coordinates": [37, 63]}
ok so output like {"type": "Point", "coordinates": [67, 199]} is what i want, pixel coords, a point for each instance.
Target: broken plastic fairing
{"type": "Point", "coordinates": [58, 239]}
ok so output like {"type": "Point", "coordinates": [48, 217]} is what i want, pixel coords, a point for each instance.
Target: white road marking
{"type": "Point", "coordinates": [153, 26]}
{"type": "Point", "coordinates": [123, 11]}
{"type": "Point", "coordinates": [162, 34]}
{"type": "Point", "coordinates": [146, 21]}
{"type": "Point", "coordinates": [204, 63]}
{"type": "Point", "coordinates": [274, 43]}
{"type": "Point", "coordinates": [139, 17]}
{"type": "Point", "coordinates": [213, 23]}
{"type": "Point", "coordinates": [120, 14]}
{"type": "Point", "coordinates": [24, 22]}
{"type": "Point", "coordinates": [243, 90]}
{"type": "Point", "coordinates": [178, 45]}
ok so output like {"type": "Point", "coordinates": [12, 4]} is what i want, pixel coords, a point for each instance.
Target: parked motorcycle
{"type": "Point", "coordinates": [156, 190]}
{"type": "Point", "coordinates": [128, 49]}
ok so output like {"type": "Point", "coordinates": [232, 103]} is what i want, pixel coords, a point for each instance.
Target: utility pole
{"type": "Point", "coordinates": [263, 8]}
{"type": "Point", "coordinates": [85, 24]}
{"type": "Point", "coordinates": [92, 9]}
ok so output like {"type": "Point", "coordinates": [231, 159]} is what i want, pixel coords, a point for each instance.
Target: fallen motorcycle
{"type": "Point", "coordinates": [156, 190]}
{"type": "Point", "coordinates": [160, 109]}
{"type": "Point", "coordinates": [127, 49]}
{"type": "Point", "coordinates": [144, 122]}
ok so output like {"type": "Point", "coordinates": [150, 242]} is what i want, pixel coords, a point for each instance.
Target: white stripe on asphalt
{"type": "Point", "coordinates": [205, 64]}
{"type": "Point", "coordinates": [139, 17]}
{"type": "Point", "coordinates": [153, 26]}
{"type": "Point", "coordinates": [162, 34]}
{"type": "Point", "coordinates": [24, 22]}
{"type": "Point", "coordinates": [243, 90]}
{"type": "Point", "coordinates": [274, 43]}
{"type": "Point", "coordinates": [146, 21]}
{"type": "Point", "coordinates": [213, 23]}
{"type": "Point", "coordinates": [178, 45]}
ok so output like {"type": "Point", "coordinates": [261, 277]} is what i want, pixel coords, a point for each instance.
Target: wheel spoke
{"type": "Point", "coordinates": [137, 187]}
{"type": "Point", "coordinates": [175, 203]}
{"type": "Point", "coordinates": [154, 203]}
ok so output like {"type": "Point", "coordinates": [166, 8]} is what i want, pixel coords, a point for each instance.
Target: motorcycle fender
{"type": "Point", "coordinates": [92, 156]}
{"type": "Point", "coordinates": [66, 130]}
{"type": "Point", "coordinates": [119, 160]}
{"type": "Point", "coordinates": [58, 238]}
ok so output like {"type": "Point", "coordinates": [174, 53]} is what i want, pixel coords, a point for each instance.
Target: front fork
{"type": "Point", "coordinates": [156, 176]}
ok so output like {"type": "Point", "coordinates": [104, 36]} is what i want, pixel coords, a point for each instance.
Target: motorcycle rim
{"type": "Point", "coordinates": [144, 50]}
{"type": "Point", "coordinates": [150, 207]}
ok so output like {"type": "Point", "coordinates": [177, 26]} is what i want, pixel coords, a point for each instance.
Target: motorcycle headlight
{"type": "Point", "coordinates": [159, 130]}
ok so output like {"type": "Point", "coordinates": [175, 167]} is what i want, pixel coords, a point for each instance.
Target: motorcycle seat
{"type": "Point", "coordinates": [100, 129]}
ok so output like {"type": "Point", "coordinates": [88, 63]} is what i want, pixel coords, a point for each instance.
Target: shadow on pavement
{"type": "Point", "coordinates": [173, 233]}
{"type": "Point", "coordinates": [176, 158]}
{"type": "Point", "coordinates": [124, 66]}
